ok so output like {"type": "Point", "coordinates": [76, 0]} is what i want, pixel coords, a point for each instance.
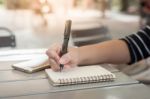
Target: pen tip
{"type": "Point", "coordinates": [61, 67]}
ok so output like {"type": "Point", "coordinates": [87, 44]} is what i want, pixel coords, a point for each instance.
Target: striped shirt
{"type": "Point", "coordinates": [139, 44]}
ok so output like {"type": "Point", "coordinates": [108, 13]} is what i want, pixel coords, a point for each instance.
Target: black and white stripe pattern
{"type": "Point", "coordinates": [139, 44]}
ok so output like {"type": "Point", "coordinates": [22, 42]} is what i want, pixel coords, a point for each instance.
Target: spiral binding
{"type": "Point", "coordinates": [91, 79]}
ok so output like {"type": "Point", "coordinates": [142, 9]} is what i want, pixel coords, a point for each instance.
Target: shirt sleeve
{"type": "Point", "coordinates": [138, 44]}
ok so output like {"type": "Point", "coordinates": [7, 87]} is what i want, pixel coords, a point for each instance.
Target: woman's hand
{"type": "Point", "coordinates": [69, 59]}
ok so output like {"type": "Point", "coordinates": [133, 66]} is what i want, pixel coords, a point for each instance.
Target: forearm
{"type": "Point", "coordinates": [114, 51]}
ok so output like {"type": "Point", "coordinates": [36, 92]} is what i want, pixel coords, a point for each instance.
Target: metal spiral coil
{"type": "Point", "coordinates": [97, 78]}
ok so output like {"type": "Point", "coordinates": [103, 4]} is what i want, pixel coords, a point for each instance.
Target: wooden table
{"type": "Point", "coordinates": [18, 85]}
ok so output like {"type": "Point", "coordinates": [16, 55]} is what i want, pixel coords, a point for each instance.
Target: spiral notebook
{"type": "Point", "coordinates": [80, 75]}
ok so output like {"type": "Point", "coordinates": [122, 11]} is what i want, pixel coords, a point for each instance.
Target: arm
{"type": "Point", "coordinates": [114, 51]}
{"type": "Point", "coordinates": [130, 49]}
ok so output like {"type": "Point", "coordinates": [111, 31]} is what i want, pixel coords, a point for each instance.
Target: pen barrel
{"type": "Point", "coordinates": [66, 37]}
{"type": "Point", "coordinates": [64, 46]}
{"type": "Point", "coordinates": [67, 29]}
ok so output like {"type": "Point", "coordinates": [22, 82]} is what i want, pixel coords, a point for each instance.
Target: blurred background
{"type": "Point", "coordinates": [39, 23]}
{"type": "Point", "coordinates": [36, 24]}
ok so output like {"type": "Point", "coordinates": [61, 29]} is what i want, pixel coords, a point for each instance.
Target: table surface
{"type": "Point", "coordinates": [19, 85]}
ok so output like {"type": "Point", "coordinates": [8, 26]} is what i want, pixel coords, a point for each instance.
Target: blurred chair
{"type": "Point", "coordinates": [90, 36]}
{"type": "Point", "coordinates": [7, 38]}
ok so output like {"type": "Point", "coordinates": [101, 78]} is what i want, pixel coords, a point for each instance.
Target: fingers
{"type": "Point", "coordinates": [65, 59]}
{"type": "Point", "coordinates": [53, 54]}
{"type": "Point", "coordinates": [69, 59]}
{"type": "Point", "coordinates": [54, 65]}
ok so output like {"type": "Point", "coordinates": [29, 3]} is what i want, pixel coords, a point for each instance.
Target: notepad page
{"type": "Point", "coordinates": [77, 72]}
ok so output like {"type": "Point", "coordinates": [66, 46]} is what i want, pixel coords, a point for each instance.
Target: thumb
{"type": "Point", "coordinates": [65, 59]}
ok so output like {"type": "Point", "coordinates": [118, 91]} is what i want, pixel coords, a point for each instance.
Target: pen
{"type": "Point", "coordinates": [65, 40]}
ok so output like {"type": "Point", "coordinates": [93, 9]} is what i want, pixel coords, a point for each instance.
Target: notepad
{"type": "Point", "coordinates": [33, 65]}
{"type": "Point", "coordinates": [80, 75]}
